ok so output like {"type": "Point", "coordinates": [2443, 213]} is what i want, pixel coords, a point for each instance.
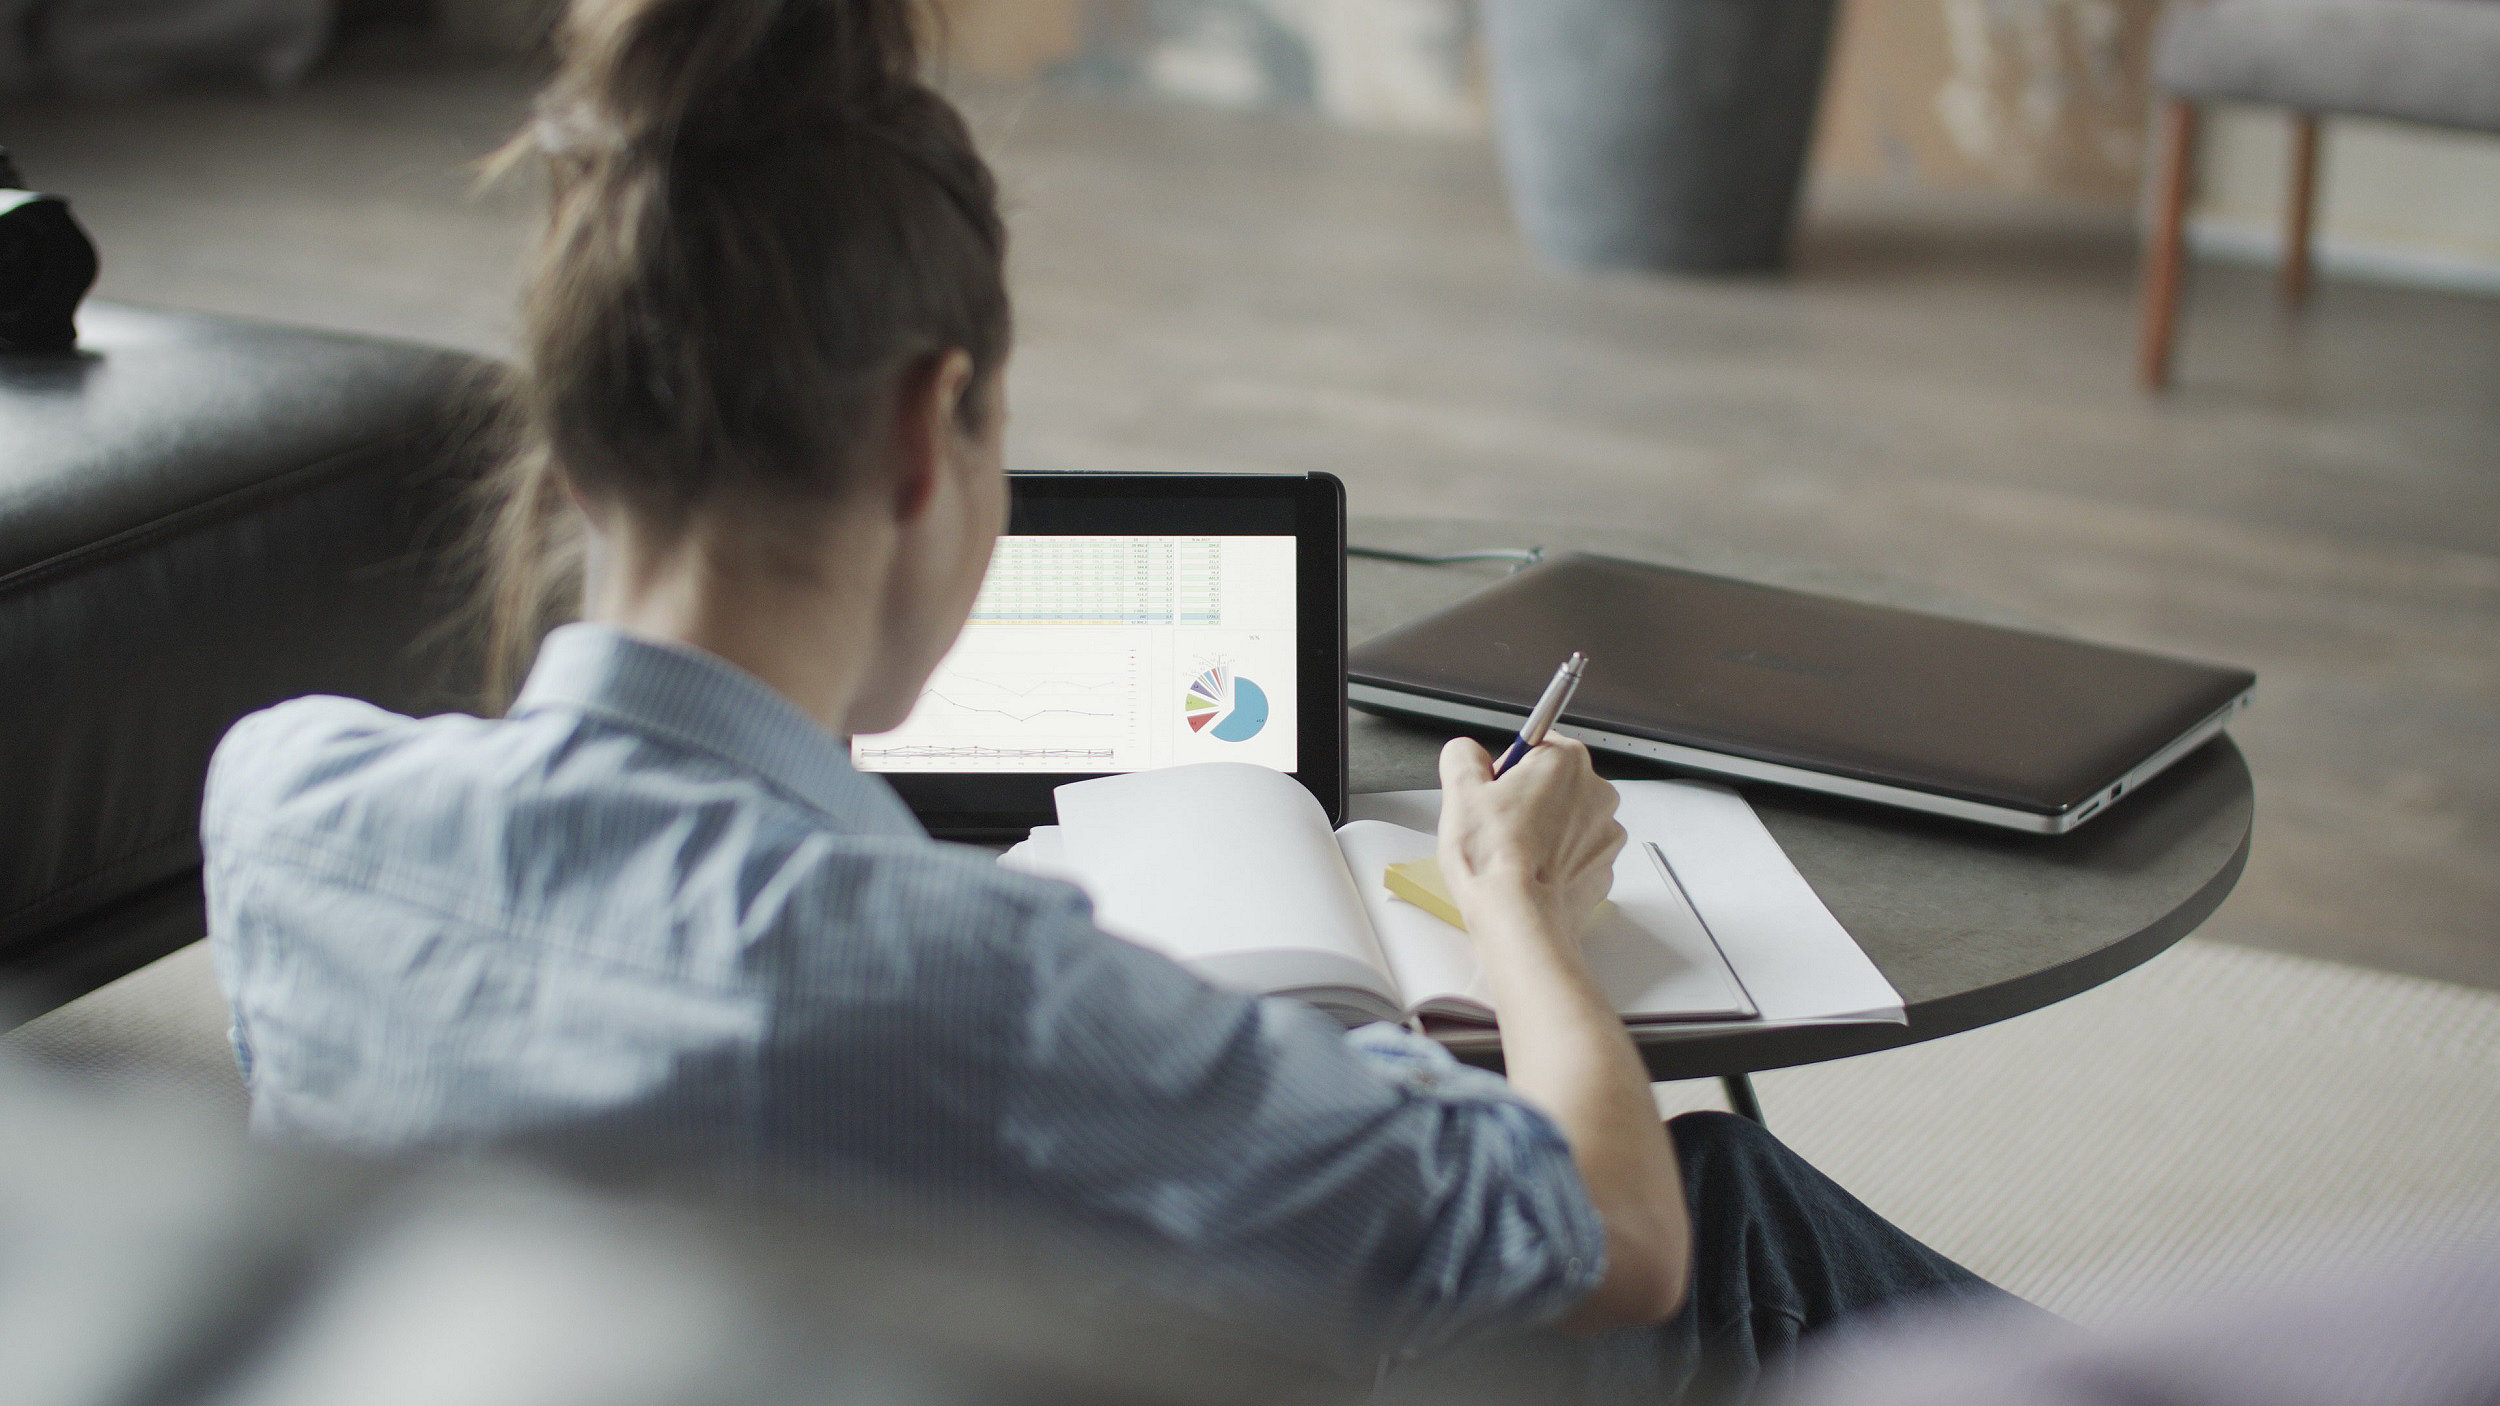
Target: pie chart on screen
{"type": "Point", "coordinates": [1225, 706]}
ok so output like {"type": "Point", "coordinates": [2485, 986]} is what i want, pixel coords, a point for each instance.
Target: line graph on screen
{"type": "Point", "coordinates": [993, 702]}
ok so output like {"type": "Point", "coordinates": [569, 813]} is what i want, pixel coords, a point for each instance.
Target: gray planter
{"type": "Point", "coordinates": [1657, 134]}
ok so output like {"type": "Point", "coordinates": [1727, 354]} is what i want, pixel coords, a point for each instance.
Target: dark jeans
{"type": "Point", "coordinates": [1779, 1253]}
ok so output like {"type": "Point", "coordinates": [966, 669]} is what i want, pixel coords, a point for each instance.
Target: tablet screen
{"type": "Point", "coordinates": [1133, 621]}
{"type": "Point", "coordinates": [1114, 653]}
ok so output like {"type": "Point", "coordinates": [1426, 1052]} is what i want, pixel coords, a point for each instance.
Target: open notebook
{"type": "Point", "coordinates": [1233, 869]}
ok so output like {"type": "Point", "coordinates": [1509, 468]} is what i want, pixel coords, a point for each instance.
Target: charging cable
{"type": "Point", "coordinates": [1520, 558]}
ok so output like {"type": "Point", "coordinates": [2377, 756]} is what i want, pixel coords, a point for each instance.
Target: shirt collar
{"type": "Point", "coordinates": [703, 702]}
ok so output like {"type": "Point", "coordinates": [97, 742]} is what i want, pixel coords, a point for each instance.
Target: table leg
{"type": "Point", "coordinates": [1740, 1097]}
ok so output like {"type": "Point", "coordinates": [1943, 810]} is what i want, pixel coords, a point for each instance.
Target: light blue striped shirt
{"type": "Point", "coordinates": [656, 909]}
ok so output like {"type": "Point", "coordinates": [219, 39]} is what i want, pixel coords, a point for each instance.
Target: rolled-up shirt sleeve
{"type": "Point", "coordinates": [1366, 1179]}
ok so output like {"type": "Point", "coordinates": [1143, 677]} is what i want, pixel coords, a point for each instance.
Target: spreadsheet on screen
{"type": "Point", "coordinates": [1112, 654]}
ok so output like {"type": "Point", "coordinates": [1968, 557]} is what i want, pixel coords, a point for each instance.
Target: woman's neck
{"type": "Point", "coordinates": [809, 629]}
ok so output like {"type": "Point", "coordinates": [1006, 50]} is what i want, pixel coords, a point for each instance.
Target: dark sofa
{"type": "Point", "coordinates": [200, 517]}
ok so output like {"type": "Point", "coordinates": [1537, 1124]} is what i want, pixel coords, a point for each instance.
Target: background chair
{"type": "Point", "coordinates": [2429, 61]}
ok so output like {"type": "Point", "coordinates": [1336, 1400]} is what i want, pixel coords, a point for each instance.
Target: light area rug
{"type": "Point", "coordinates": [2220, 1118]}
{"type": "Point", "coordinates": [158, 1033]}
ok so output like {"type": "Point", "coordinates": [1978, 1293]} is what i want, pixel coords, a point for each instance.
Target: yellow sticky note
{"type": "Point", "coordinates": [1419, 882]}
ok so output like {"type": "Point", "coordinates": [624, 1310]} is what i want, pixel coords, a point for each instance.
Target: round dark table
{"type": "Point", "coordinates": [1971, 924]}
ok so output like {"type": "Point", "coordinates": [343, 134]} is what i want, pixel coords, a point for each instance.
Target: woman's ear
{"type": "Point", "coordinates": [591, 513]}
{"type": "Point", "coordinates": [929, 401]}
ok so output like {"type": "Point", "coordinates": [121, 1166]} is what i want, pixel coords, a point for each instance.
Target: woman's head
{"type": "Point", "coordinates": [772, 283]}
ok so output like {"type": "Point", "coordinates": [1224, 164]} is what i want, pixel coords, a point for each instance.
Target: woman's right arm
{"type": "Point", "coordinates": [1376, 1183]}
{"type": "Point", "coordinates": [1529, 857]}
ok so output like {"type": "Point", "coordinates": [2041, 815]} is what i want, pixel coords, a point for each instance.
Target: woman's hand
{"type": "Point", "coordinates": [1544, 835]}
{"type": "Point", "coordinates": [1529, 858]}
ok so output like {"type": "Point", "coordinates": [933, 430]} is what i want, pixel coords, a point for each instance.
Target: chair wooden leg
{"type": "Point", "coordinates": [2301, 212]}
{"type": "Point", "coordinates": [2165, 255]}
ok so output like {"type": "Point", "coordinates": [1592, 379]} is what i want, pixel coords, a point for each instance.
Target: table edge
{"type": "Point", "coordinates": [1670, 1056]}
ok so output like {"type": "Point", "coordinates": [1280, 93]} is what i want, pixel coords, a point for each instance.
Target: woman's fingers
{"type": "Point", "coordinates": [1464, 764]}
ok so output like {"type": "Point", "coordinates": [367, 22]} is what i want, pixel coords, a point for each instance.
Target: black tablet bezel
{"type": "Point", "coordinates": [992, 805]}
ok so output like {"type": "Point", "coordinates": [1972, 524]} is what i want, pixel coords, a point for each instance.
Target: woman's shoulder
{"type": "Point", "coordinates": [300, 727]}
{"type": "Point", "coordinates": [341, 783]}
{"type": "Point", "coordinates": [302, 734]}
{"type": "Point", "coordinates": [318, 744]}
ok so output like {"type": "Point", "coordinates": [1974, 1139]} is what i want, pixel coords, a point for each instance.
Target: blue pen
{"type": "Point", "coordinates": [1557, 697]}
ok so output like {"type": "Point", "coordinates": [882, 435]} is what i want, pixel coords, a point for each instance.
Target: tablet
{"type": "Point", "coordinates": [1133, 621]}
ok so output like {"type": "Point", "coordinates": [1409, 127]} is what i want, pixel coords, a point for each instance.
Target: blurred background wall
{"type": "Point", "coordinates": [2043, 98]}
{"type": "Point", "coordinates": [2034, 97]}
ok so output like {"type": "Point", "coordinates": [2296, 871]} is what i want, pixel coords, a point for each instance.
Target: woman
{"type": "Point", "coordinates": [655, 908]}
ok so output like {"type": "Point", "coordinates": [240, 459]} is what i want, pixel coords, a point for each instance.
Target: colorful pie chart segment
{"type": "Point", "coordinates": [1225, 706]}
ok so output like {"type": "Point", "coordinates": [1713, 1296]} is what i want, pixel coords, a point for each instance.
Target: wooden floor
{"type": "Point", "coordinates": [1940, 394]}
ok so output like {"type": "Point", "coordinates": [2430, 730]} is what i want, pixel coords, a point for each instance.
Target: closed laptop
{"type": "Point", "coordinates": [2007, 727]}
